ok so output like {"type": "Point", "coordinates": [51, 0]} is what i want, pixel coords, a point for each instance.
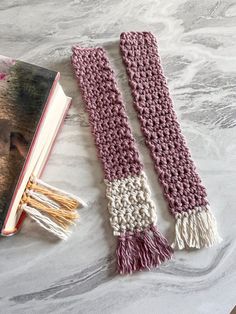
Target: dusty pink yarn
{"type": "Point", "coordinates": [176, 171]}
{"type": "Point", "coordinates": [132, 212]}
{"type": "Point", "coordinates": [141, 247]}
{"type": "Point", "coordinates": [107, 116]}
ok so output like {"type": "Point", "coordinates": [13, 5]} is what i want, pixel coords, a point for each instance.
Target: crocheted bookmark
{"type": "Point", "coordinates": [132, 213]}
{"type": "Point", "coordinates": [195, 224]}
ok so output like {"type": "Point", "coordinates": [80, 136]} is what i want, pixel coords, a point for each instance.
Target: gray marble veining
{"type": "Point", "coordinates": [197, 41]}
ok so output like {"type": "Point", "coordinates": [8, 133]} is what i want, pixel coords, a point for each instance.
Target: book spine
{"type": "Point", "coordinates": [5, 215]}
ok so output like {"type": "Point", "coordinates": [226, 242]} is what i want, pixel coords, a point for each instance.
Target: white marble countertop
{"type": "Point", "coordinates": [198, 47]}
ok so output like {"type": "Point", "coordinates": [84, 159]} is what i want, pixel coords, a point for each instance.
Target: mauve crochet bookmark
{"type": "Point", "coordinates": [132, 212]}
{"type": "Point", "coordinates": [195, 224]}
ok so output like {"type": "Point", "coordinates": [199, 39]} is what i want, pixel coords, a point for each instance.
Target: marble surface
{"type": "Point", "coordinates": [197, 42]}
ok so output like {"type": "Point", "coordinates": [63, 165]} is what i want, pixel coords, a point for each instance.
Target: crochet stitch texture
{"type": "Point", "coordinates": [133, 217]}
{"type": "Point", "coordinates": [182, 187]}
{"type": "Point", "coordinates": [177, 173]}
{"type": "Point", "coordinates": [130, 204]}
{"type": "Point", "coordinates": [107, 116]}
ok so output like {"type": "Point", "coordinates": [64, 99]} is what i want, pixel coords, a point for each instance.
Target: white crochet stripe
{"type": "Point", "coordinates": [196, 229]}
{"type": "Point", "coordinates": [130, 204]}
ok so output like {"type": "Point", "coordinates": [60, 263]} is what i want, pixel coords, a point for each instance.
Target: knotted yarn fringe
{"type": "Point", "coordinates": [52, 208]}
{"type": "Point", "coordinates": [58, 195]}
{"type": "Point", "coordinates": [46, 223]}
{"type": "Point", "coordinates": [196, 229]}
{"type": "Point", "coordinates": [141, 250]}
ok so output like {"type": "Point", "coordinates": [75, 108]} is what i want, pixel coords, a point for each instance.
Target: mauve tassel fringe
{"type": "Point", "coordinates": [141, 250]}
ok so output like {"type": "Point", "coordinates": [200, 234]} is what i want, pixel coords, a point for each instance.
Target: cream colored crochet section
{"type": "Point", "coordinates": [130, 204]}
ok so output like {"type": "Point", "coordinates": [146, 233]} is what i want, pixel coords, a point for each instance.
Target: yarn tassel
{"type": "Point", "coordinates": [46, 223]}
{"type": "Point", "coordinates": [141, 250]}
{"type": "Point", "coordinates": [126, 254]}
{"type": "Point", "coordinates": [196, 229]}
{"type": "Point", "coordinates": [64, 198]}
{"type": "Point", "coordinates": [52, 208]}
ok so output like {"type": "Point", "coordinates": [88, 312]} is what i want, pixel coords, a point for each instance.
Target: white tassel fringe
{"type": "Point", "coordinates": [46, 222]}
{"type": "Point", "coordinates": [196, 229]}
{"type": "Point", "coordinates": [52, 208]}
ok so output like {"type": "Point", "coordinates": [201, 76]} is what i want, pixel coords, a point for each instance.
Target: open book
{"type": "Point", "coordinates": [32, 108]}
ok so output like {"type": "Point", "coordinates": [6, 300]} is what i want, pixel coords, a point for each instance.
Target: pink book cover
{"type": "Point", "coordinates": [25, 91]}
